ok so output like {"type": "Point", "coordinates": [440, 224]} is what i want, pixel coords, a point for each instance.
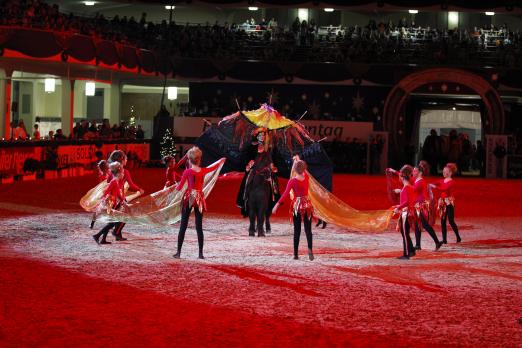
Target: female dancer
{"type": "Point", "coordinates": [301, 206]}
{"type": "Point", "coordinates": [171, 176]}
{"type": "Point", "coordinates": [193, 197]}
{"type": "Point", "coordinates": [113, 199]}
{"type": "Point", "coordinates": [405, 209]}
{"type": "Point", "coordinates": [103, 175]}
{"type": "Point", "coordinates": [121, 157]}
{"type": "Point", "coordinates": [422, 206]}
{"type": "Point", "coordinates": [446, 204]}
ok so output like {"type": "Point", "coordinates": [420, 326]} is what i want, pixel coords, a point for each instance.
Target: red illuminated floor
{"type": "Point", "coordinates": [58, 288]}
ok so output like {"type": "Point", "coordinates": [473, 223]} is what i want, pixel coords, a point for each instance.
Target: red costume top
{"type": "Point", "coordinates": [193, 196]}
{"type": "Point", "coordinates": [171, 176]}
{"type": "Point", "coordinates": [300, 188]}
{"type": "Point", "coordinates": [126, 179]}
{"type": "Point", "coordinates": [104, 176]}
{"type": "Point", "coordinates": [407, 197]}
{"type": "Point", "coordinates": [115, 191]}
{"type": "Point", "coordinates": [421, 190]}
{"type": "Point", "coordinates": [444, 188]}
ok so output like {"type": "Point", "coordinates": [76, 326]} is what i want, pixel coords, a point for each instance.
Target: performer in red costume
{"type": "Point", "coordinates": [120, 156]}
{"type": "Point", "coordinates": [113, 199]}
{"type": "Point", "coordinates": [446, 205]}
{"type": "Point", "coordinates": [422, 206]}
{"type": "Point", "coordinates": [193, 197]}
{"type": "Point", "coordinates": [171, 176]}
{"type": "Point", "coordinates": [406, 211]}
{"type": "Point", "coordinates": [103, 175]}
{"type": "Point", "coordinates": [301, 207]}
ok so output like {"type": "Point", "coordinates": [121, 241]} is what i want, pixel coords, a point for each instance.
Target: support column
{"type": "Point", "coordinates": [115, 103]}
{"type": "Point", "coordinates": [68, 106]}
{"type": "Point", "coordinates": [5, 106]}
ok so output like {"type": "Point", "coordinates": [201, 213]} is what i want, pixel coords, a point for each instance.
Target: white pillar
{"type": "Point", "coordinates": [114, 102]}
{"type": "Point", "coordinates": [66, 107]}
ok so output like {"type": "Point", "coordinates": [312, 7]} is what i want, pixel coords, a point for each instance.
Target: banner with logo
{"type": "Point", "coordinates": [193, 127]}
{"type": "Point", "coordinates": [12, 159]}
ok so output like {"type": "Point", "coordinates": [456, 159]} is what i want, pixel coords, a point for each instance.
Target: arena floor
{"type": "Point", "coordinates": [59, 288]}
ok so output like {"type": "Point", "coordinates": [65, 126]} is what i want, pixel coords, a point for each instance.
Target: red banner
{"type": "Point", "coordinates": [12, 159]}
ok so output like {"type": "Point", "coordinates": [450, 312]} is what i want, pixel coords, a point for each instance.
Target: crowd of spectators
{"type": "Point", "coordinates": [455, 147]}
{"type": "Point", "coordinates": [403, 41]}
{"type": "Point", "coordinates": [82, 131]}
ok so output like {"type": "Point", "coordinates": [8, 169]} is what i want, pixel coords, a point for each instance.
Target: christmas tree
{"type": "Point", "coordinates": [168, 147]}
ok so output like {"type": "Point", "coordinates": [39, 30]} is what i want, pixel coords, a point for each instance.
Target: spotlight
{"type": "Point", "coordinates": [489, 13]}
{"type": "Point", "coordinates": [413, 11]}
{"type": "Point", "coordinates": [89, 3]}
{"type": "Point", "coordinates": [49, 85]}
{"type": "Point", "coordinates": [253, 8]}
{"type": "Point", "coordinates": [172, 93]}
{"type": "Point", "coordinates": [90, 89]}
{"type": "Point", "coordinates": [328, 9]}
{"type": "Point", "coordinates": [168, 7]}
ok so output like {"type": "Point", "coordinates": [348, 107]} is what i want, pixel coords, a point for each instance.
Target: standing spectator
{"type": "Point", "coordinates": [500, 154]}
{"type": "Point", "coordinates": [431, 151]}
{"type": "Point", "coordinates": [140, 133]}
{"type": "Point", "coordinates": [59, 135]}
{"type": "Point", "coordinates": [36, 133]}
{"type": "Point", "coordinates": [19, 132]}
{"type": "Point", "coordinates": [480, 155]}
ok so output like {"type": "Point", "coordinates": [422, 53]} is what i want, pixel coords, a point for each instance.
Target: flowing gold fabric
{"type": "Point", "coordinates": [91, 201]}
{"type": "Point", "coordinates": [331, 209]}
{"type": "Point", "coordinates": [159, 208]}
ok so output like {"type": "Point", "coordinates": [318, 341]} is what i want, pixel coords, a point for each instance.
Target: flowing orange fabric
{"type": "Point", "coordinates": [331, 209]}
{"type": "Point", "coordinates": [159, 208]}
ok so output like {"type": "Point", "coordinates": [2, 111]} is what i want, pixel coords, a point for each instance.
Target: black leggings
{"type": "Point", "coordinates": [407, 245]}
{"type": "Point", "coordinates": [307, 222]}
{"type": "Point", "coordinates": [105, 230]}
{"type": "Point", "coordinates": [185, 214]}
{"type": "Point", "coordinates": [428, 229]}
{"type": "Point", "coordinates": [449, 215]}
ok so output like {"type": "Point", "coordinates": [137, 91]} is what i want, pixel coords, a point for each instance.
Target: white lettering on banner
{"type": "Point", "coordinates": [12, 159]}
{"type": "Point", "coordinates": [193, 127]}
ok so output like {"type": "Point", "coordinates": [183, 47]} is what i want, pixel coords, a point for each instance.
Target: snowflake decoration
{"type": "Point", "coordinates": [358, 102]}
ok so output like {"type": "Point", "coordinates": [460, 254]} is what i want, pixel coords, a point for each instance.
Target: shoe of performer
{"type": "Point", "coordinates": [296, 257]}
{"type": "Point", "coordinates": [201, 256]}
{"type": "Point", "coordinates": [268, 231]}
{"type": "Point", "coordinates": [403, 257]}
{"type": "Point", "coordinates": [437, 247]}
{"type": "Point", "coordinates": [417, 247]}
{"type": "Point", "coordinates": [310, 255]}
{"type": "Point", "coordinates": [177, 255]}
{"type": "Point", "coordinates": [444, 242]}
{"type": "Point", "coordinates": [92, 223]}
{"type": "Point", "coordinates": [120, 238]}
{"type": "Point", "coordinates": [96, 238]}
{"type": "Point", "coordinates": [412, 253]}
{"type": "Point", "coordinates": [318, 223]}
{"type": "Point", "coordinates": [105, 242]}
{"type": "Point", "coordinates": [459, 239]}
{"type": "Point", "coordinates": [261, 233]}
{"type": "Point", "coordinates": [251, 233]}
{"type": "Point", "coordinates": [324, 225]}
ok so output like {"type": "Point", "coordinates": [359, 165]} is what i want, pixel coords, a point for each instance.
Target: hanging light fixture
{"type": "Point", "coordinates": [49, 85]}
{"type": "Point", "coordinates": [172, 93]}
{"type": "Point", "coordinates": [90, 89]}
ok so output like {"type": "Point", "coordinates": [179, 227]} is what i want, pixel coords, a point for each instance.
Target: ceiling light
{"type": "Point", "coordinates": [49, 85]}
{"type": "Point", "coordinates": [413, 11]}
{"type": "Point", "coordinates": [172, 93]}
{"type": "Point", "coordinates": [489, 13]}
{"type": "Point", "coordinates": [328, 9]}
{"type": "Point", "coordinates": [89, 3]}
{"type": "Point", "coordinates": [253, 8]}
{"type": "Point", "coordinates": [168, 7]}
{"type": "Point", "coordinates": [90, 89]}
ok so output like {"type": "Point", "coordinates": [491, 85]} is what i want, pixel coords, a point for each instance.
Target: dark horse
{"type": "Point", "coordinates": [258, 193]}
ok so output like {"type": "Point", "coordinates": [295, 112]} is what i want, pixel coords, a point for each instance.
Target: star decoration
{"type": "Point", "coordinates": [358, 102]}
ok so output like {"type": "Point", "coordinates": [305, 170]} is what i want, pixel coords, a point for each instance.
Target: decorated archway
{"type": "Point", "coordinates": [395, 121]}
